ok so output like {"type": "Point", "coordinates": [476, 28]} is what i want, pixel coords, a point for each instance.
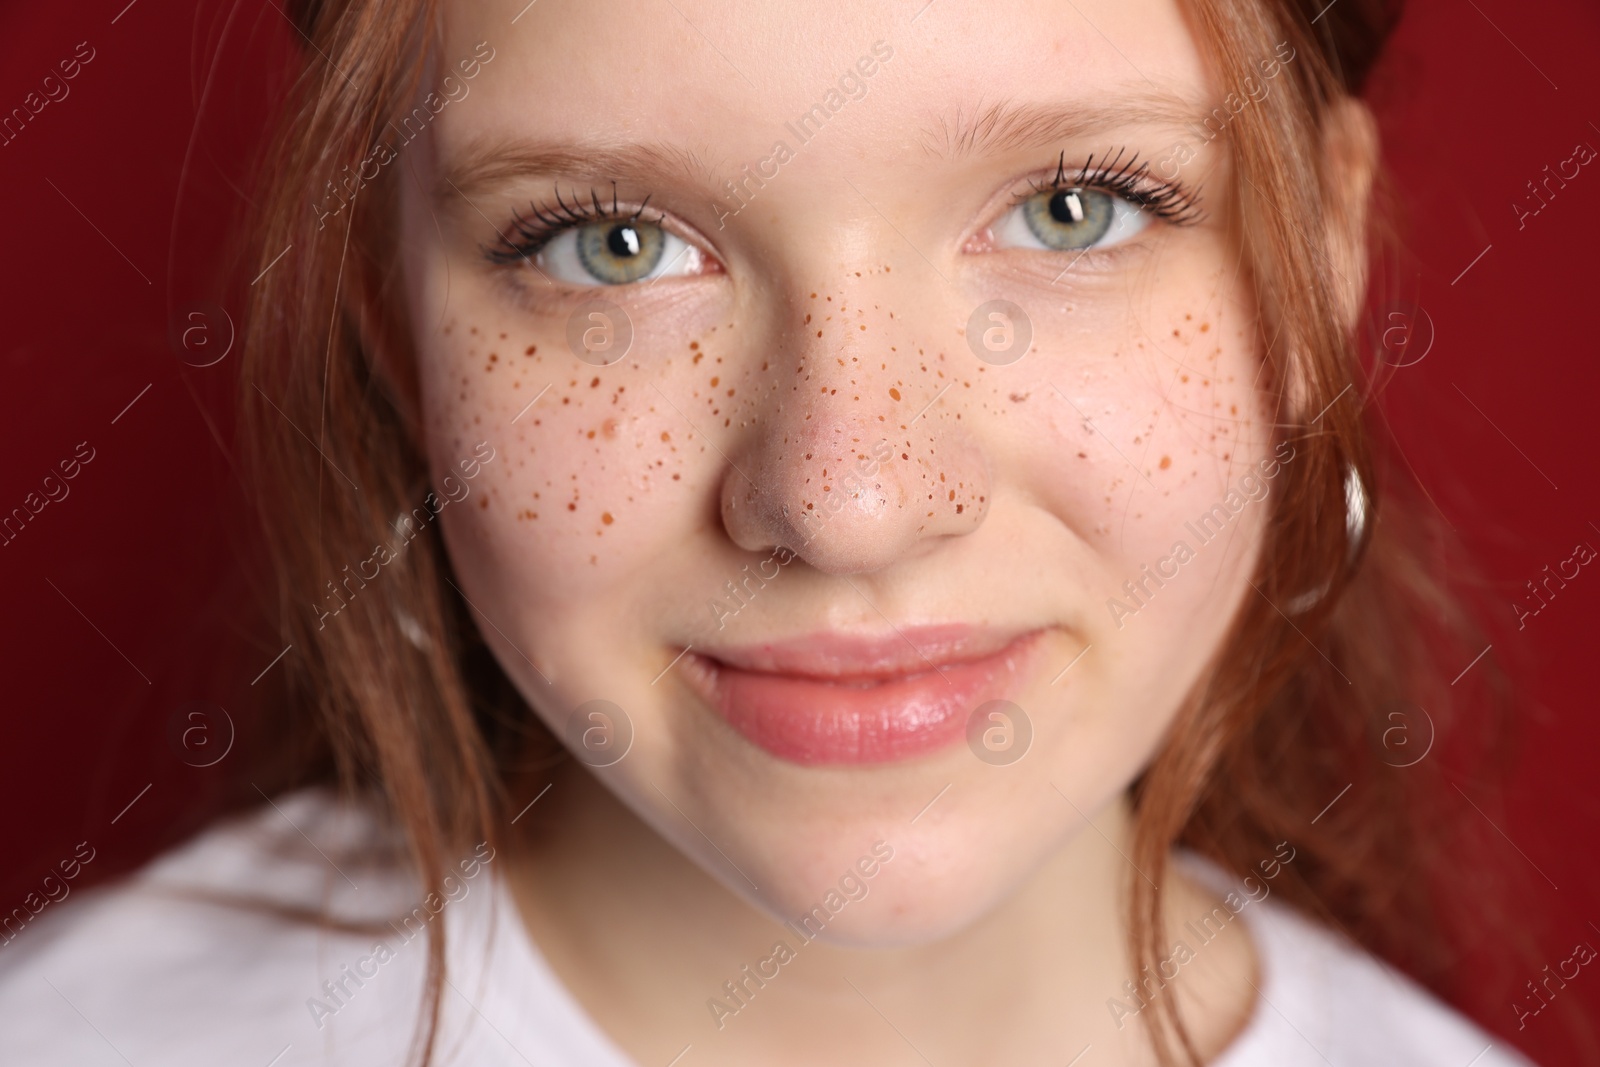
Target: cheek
{"type": "Point", "coordinates": [1196, 420]}
{"type": "Point", "coordinates": [597, 467]}
{"type": "Point", "coordinates": [1135, 429]}
{"type": "Point", "coordinates": [1139, 428]}
{"type": "Point", "coordinates": [1138, 421]}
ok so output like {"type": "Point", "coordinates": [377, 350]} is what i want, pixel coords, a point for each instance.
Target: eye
{"type": "Point", "coordinates": [617, 252]}
{"type": "Point", "coordinates": [1075, 218]}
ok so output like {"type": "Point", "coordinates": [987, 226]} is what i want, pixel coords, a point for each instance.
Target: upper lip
{"type": "Point", "coordinates": [830, 655]}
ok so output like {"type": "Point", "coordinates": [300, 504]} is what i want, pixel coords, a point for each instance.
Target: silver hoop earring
{"type": "Point", "coordinates": [1355, 527]}
{"type": "Point", "coordinates": [1355, 509]}
{"type": "Point", "coordinates": [405, 527]}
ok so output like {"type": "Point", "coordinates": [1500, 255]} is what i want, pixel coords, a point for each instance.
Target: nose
{"type": "Point", "coordinates": [859, 460]}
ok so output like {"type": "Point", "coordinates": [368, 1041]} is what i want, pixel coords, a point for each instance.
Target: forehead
{"type": "Point", "coordinates": [723, 81]}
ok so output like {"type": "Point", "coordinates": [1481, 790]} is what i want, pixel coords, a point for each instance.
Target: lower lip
{"type": "Point", "coordinates": [813, 722]}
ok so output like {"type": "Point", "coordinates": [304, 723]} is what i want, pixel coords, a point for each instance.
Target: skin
{"type": "Point", "coordinates": [832, 309]}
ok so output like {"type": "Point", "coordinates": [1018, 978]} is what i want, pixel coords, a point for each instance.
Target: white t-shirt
{"type": "Point", "coordinates": [145, 973]}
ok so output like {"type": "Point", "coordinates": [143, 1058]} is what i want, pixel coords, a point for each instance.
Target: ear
{"type": "Point", "coordinates": [1350, 161]}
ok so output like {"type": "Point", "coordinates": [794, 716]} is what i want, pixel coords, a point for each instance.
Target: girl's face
{"type": "Point", "coordinates": [846, 347]}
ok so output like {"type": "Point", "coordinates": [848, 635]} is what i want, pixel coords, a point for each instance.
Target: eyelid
{"type": "Point", "coordinates": [1169, 200]}
{"type": "Point", "coordinates": [545, 221]}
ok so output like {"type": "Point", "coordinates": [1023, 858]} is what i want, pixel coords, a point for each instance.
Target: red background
{"type": "Point", "coordinates": [124, 600]}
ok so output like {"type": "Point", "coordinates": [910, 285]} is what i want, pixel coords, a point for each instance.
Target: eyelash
{"type": "Point", "coordinates": [1169, 201]}
{"type": "Point", "coordinates": [543, 223]}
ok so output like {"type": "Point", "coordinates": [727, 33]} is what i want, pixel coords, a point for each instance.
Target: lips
{"type": "Point", "coordinates": [831, 698]}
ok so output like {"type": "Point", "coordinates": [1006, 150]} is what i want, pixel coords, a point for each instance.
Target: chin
{"type": "Point", "coordinates": [940, 878]}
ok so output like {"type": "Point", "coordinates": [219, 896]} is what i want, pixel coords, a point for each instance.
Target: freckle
{"type": "Point", "coordinates": [894, 393]}
{"type": "Point", "coordinates": [494, 357]}
{"type": "Point", "coordinates": [1204, 326]}
{"type": "Point", "coordinates": [474, 329]}
{"type": "Point", "coordinates": [665, 436]}
{"type": "Point", "coordinates": [591, 435]}
{"type": "Point", "coordinates": [960, 508]}
{"type": "Point", "coordinates": [819, 333]}
{"type": "Point", "coordinates": [698, 356]}
{"type": "Point", "coordinates": [572, 507]}
{"type": "Point", "coordinates": [863, 327]}
{"type": "Point", "coordinates": [677, 477]}
{"type": "Point", "coordinates": [1083, 455]}
{"type": "Point", "coordinates": [566, 400]}
{"type": "Point", "coordinates": [483, 502]}
{"type": "Point", "coordinates": [605, 517]}
{"type": "Point", "coordinates": [1185, 377]}
{"type": "Point", "coordinates": [1166, 461]}
{"type": "Point", "coordinates": [714, 382]}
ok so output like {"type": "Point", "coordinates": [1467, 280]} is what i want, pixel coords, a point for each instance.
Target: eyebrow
{"type": "Point", "coordinates": [1008, 127]}
{"type": "Point", "coordinates": [486, 166]}
{"type": "Point", "coordinates": [999, 128]}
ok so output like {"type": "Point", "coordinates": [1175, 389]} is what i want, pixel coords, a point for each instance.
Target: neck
{"type": "Point", "coordinates": [662, 954]}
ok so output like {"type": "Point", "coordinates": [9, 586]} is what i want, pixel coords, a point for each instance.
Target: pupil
{"type": "Point", "coordinates": [1066, 206]}
{"type": "Point", "coordinates": [623, 241]}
